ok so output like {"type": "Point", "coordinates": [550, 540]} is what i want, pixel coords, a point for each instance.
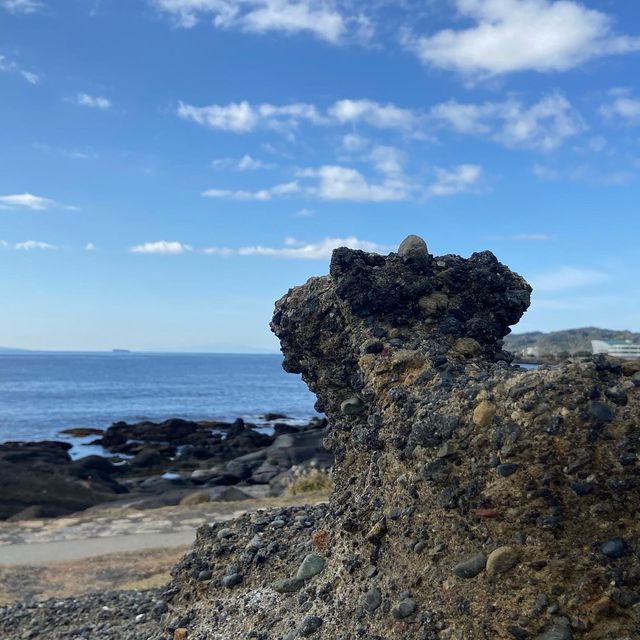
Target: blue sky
{"type": "Point", "coordinates": [169, 168]}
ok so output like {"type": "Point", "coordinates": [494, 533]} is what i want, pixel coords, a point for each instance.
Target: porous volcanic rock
{"type": "Point", "coordinates": [473, 500]}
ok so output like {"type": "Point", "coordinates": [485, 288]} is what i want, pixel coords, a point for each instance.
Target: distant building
{"type": "Point", "coordinates": [625, 349]}
{"type": "Point", "coordinates": [531, 352]}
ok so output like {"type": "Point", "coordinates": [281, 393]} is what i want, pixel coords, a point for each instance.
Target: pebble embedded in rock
{"type": "Point", "coordinates": [311, 566]}
{"type": "Point", "coordinates": [557, 632]}
{"type": "Point", "coordinates": [467, 347]}
{"type": "Point", "coordinates": [483, 413]}
{"type": "Point", "coordinates": [470, 567]}
{"type": "Point", "coordinates": [507, 469]}
{"type": "Point", "coordinates": [287, 585]}
{"type": "Point", "coordinates": [232, 580]}
{"type": "Point", "coordinates": [372, 599]}
{"type": "Point", "coordinates": [204, 575]}
{"type": "Point", "coordinates": [352, 406]}
{"type": "Point", "coordinates": [501, 560]}
{"type": "Point", "coordinates": [600, 411]}
{"type": "Point", "coordinates": [310, 625]}
{"type": "Point", "coordinates": [180, 634]}
{"type": "Point", "coordinates": [404, 609]}
{"type": "Point", "coordinates": [613, 548]}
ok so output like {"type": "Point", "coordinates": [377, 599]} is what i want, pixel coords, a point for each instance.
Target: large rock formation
{"type": "Point", "coordinates": [473, 499]}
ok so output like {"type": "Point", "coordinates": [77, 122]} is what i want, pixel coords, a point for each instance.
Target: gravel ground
{"type": "Point", "coordinates": [113, 615]}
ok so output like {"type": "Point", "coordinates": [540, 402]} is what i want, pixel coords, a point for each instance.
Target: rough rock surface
{"type": "Point", "coordinates": [473, 500]}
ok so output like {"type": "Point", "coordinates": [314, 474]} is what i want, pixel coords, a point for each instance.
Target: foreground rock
{"type": "Point", "coordinates": [473, 500]}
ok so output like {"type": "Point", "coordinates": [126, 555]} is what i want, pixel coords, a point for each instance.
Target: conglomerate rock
{"type": "Point", "coordinates": [473, 499]}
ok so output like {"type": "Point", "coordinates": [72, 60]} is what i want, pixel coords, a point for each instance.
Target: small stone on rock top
{"type": "Point", "coordinates": [415, 248]}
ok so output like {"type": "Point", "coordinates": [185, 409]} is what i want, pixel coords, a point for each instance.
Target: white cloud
{"type": "Point", "coordinates": [163, 247]}
{"type": "Point", "coordinates": [387, 116]}
{"type": "Point", "coordinates": [242, 117]}
{"type": "Point", "coordinates": [246, 163]}
{"type": "Point", "coordinates": [218, 251]}
{"type": "Point", "coordinates": [313, 251]}
{"type": "Point", "coordinates": [344, 183]}
{"type": "Point", "coordinates": [460, 179]}
{"type": "Point", "coordinates": [21, 6]}
{"type": "Point", "coordinates": [10, 66]}
{"type": "Point", "coordinates": [567, 278]}
{"type": "Point", "coordinates": [624, 108]}
{"type": "Point", "coordinates": [262, 16]}
{"type": "Point", "coordinates": [29, 245]}
{"type": "Point", "coordinates": [519, 35]}
{"type": "Point", "coordinates": [544, 125]}
{"type": "Point", "coordinates": [89, 246]}
{"type": "Point", "coordinates": [4, 243]}
{"type": "Point", "coordinates": [544, 172]}
{"type": "Point", "coordinates": [304, 213]}
{"type": "Point", "coordinates": [26, 201]}
{"type": "Point", "coordinates": [279, 190]}
{"type": "Point", "coordinates": [94, 102]}
{"type": "Point", "coordinates": [352, 142]}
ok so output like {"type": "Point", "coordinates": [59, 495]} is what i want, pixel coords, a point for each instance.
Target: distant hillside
{"type": "Point", "coordinates": [571, 340]}
{"type": "Point", "coordinates": [12, 350]}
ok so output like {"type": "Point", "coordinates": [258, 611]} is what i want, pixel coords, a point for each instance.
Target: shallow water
{"type": "Point", "coordinates": [42, 393]}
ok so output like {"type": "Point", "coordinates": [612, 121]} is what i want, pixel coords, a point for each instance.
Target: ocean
{"type": "Point", "coordinates": [43, 393]}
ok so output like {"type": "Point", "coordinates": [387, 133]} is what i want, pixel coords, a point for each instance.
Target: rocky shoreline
{"type": "Point", "coordinates": [472, 500]}
{"type": "Point", "coordinates": [148, 465]}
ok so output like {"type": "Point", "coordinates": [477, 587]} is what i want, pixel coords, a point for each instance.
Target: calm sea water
{"type": "Point", "coordinates": [40, 394]}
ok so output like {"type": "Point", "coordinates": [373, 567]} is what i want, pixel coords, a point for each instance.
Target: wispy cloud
{"type": "Point", "coordinates": [544, 125]}
{"type": "Point", "coordinates": [262, 16]}
{"type": "Point", "coordinates": [304, 213]}
{"type": "Point", "coordinates": [567, 278]}
{"type": "Point", "coordinates": [277, 191]}
{"type": "Point", "coordinates": [243, 117]}
{"type": "Point", "coordinates": [321, 250]}
{"type": "Point", "coordinates": [93, 102]}
{"type": "Point", "coordinates": [30, 245]}
{"type": "Point", "coordinates": [521, 35]}
{"type": "Point", "coordinates": [162, 247]}
{"type": "Point", "coordinates": [10, 66]}
{"type": "Point", "coordinates": [89, 246]}
{"type": "Point", "coordinates": [26, 201]}
{"type": "Point", "coordinates": [623, 108]}
{"type": "Point", "coordinates": [21, 6]}
{"type": "Point", "coordinates": [246, 163]}
{"type": "Point", "coordinates": [345, 183]}
{"type": "Point", "coordinates": [460, 179]}
{"type": "Point", "coordinates": [381, 116]}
